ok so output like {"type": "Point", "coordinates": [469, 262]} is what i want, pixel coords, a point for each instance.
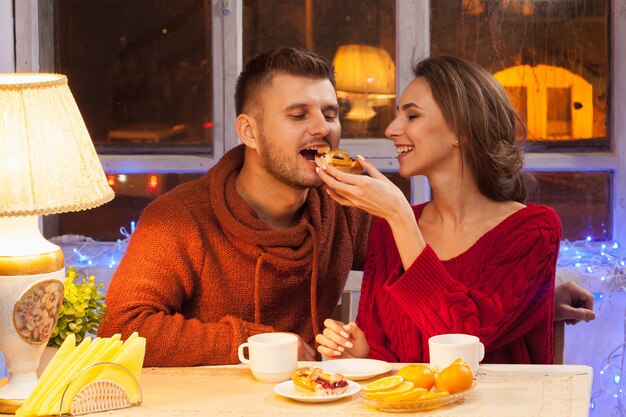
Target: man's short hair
{"type": "Point", "coordinates": [260, 70]}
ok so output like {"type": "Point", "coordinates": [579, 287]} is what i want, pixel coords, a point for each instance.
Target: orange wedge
{"type": "Point", "coordinates": [403, 387]}
{"type": "Point", "coordinates": [431, 395]}
{"type": "Point", "coordinates": [384, 384]}
{"type": "Point", "coordinates": [413, 394]}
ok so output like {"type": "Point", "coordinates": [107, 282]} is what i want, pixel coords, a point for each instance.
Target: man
{"type": "Point", "coordinates": [253, 246]}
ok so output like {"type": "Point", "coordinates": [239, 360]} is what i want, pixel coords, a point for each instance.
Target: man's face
{"type": "Point", "coordinates": [299, 115]}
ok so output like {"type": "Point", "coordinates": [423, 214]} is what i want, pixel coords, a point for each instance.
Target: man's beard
{"type": "Point", "coordinates": [284, 169]}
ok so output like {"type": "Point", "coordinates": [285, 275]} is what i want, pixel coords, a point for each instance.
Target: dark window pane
{"type": "Point", "coordinates": [556, 51]}
{"type": "Point", "coordinates": [358, 35]}
{"type": "Point", "coordinates": [140, 71]}
{"type": "Point", "coordinates": [581, 200]}
{"type": "Point", "coordinates": [133, 192]}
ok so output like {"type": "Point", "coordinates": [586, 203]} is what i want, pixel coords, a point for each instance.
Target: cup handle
{"type": "Point", "coordinates": [481, 351]}
{"type": "Point", "coordinates": [242, 358]}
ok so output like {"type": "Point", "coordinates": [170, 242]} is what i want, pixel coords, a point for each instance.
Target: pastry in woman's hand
{"type": "Point", "coordinates": [337, 158]}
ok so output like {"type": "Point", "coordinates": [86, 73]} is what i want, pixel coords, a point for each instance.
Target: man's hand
{"type": "Point", "coordinates": [573, 303]}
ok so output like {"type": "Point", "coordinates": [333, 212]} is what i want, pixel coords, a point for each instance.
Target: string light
{"type": "Point", "coordinates": [602, 263]}
{"type": "Point", "coordinates": [602, 266]}
{"type": "Point", "coordinates": [84, 252]}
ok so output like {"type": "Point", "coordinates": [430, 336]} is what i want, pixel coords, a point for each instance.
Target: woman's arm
{"type": "Point", "coordinates": [377, 195]}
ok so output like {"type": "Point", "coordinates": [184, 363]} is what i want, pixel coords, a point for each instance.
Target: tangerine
{"type": "Point", "coordinates": [455, 378]}
{"type": "Point", "coordinates": [420, 375]}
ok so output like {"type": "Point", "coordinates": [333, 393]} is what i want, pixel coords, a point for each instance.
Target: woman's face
{"type": "Point", "coordinates": [423, 140]}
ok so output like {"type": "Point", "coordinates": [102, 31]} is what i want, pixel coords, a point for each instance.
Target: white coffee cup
{"type": "Point", "coordinates": [273, 356]}
{"type": "Point", "coordinates": [446, 348]}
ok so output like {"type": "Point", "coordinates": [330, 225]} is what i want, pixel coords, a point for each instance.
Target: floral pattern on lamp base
{"type": "Point", "coordinates": [36, 312]}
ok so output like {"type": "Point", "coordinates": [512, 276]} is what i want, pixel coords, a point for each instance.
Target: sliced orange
{"type": "Point", "coordinates": [420, 375]}
{"type": "Point", "coordinates": [399, 389]}
{"type": "Point", "coordinates": [413, 394]}
{"type": "Point", "coordinates": [431, 395]}
{"type": "Point", "coordinates": [383, 384]}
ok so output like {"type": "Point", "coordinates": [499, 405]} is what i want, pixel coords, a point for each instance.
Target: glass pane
{"type": "Point", "coordinates": [358, 35]}
{"type": "Point", "coordinates": [140, 71]}
{"type": "Point", "coordinates": [133, 192]}
{"type": "Point", "coordinates": [551, 56]}
{"type": "Point", "coordinates": [581, 201]}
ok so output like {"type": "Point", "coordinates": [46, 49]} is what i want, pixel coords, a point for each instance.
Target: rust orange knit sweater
{"type": "Point", "coordinates": [202, 272]}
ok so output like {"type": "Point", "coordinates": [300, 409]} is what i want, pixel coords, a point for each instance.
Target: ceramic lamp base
{"type": "Point", "coordinates": [20, 386]}
{"type": "Point", "coordinates": [10, 406]}
{"type": "Point", "coordinates": [29, 308]}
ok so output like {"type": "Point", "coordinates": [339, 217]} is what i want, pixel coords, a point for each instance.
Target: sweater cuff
{"type": "Point", "coordinates": [252, 329]}
{"type": "Point", "coordinates": [418, 279]}
{"type": "Point", "coordinates": [241, 330]}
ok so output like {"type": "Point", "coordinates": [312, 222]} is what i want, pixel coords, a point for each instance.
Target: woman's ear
{"type": "Point", "coordinates": [247, 130]}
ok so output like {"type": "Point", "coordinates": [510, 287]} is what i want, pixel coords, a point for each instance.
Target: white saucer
{"type": "Point", "coordinates": [355, 369]}
{"type": "Point", "coordinates": [287, 389]}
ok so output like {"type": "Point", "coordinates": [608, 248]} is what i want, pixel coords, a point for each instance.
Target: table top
{"type": "Point", "coordinates": [501, 390]}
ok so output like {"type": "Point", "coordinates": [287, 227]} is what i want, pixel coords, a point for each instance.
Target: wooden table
{"type": "Point", "coordinates": [230, 391]}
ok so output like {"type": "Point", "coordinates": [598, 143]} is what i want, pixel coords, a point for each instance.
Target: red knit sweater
{"type": "Point", "coordinates": [501, 289]}
{"type": "Point", "coordinates": [202, 272]}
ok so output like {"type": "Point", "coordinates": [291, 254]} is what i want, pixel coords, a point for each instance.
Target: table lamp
{"type": "Point", "coordinates": [48, 165]}
{"type": "Point", "coordinates": [367, 76]}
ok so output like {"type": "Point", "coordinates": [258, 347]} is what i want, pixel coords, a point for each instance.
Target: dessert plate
{"type": "Point", "coordinates": [355, 369]}
{"type": "Point", "coordinates": [288, 390]}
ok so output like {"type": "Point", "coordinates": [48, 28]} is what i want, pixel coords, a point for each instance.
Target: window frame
{"type": "Point", "coordinates": [27, 39]}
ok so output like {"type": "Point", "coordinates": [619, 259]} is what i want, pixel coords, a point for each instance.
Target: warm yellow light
{"type": "Point", "coordinates": [537, 83]}
{"type": "Point", "coordinates": [365, 75]}
{"type": "Point", "coordinates": [364, 69]}
{"type": "Point", "coordinates": [49, 162]}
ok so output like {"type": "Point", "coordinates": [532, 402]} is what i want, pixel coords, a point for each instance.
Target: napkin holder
{"type": "Point", "coordinates": [101, 394]}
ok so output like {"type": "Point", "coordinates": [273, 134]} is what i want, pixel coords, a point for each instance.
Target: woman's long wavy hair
{"type": "Point", "coordinates": [477, 109]}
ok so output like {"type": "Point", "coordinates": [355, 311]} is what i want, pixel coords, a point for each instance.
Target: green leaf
{"type": "Point", "coordinates": [83, 308]}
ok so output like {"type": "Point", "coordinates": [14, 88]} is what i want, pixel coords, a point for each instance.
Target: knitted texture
{"type": "Point", "coordinates": [501, 289]}
{"type": "Point", "coordinates": [200, 257]}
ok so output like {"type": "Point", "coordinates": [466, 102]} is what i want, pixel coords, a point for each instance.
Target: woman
{"type": "Point", "coordinates": [475, 259]}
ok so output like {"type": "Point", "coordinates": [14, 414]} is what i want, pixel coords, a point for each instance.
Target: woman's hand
{"type": "Point", "coordinates": [380, 197]}
{"type": "Point", "coordinates": [375, 194]}
{"type": "Point", "coordinates": [339, 340]}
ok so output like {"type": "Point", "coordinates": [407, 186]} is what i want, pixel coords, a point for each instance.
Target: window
{"type": "Point", "coordinates": [215, 36]}
{"type": "Point", "coordinates": [357, 35]}
{"type": "Point", "coordinates": [555, 51]}
{"type": "Point", "coordinates": [140, 71]}
{"type": "Point", "coordinates": [553, 59]}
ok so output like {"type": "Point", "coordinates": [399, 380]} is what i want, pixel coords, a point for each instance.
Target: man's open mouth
{"type": "Point", "coordinates": [309, 153]}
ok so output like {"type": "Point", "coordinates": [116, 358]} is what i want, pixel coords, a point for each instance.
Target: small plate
{"type": "Point", "coordinates": [417, 404]}
{"type": "Point", "coordinates": [354, 369]}
{"type": "Point", "coordinates": [287, 389]}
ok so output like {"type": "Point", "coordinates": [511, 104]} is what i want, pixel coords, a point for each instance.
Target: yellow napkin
{"type": "Point", "coordinates": [71, 359]}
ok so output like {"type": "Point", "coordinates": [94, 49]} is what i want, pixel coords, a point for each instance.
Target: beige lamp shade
{"type": "Point", "coordinates": [364, 69]}
{"type": "Point", "coordinates": [48, 163]}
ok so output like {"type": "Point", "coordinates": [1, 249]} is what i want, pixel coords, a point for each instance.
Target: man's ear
{"type": "Point", "coordinates": [247, 130]}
